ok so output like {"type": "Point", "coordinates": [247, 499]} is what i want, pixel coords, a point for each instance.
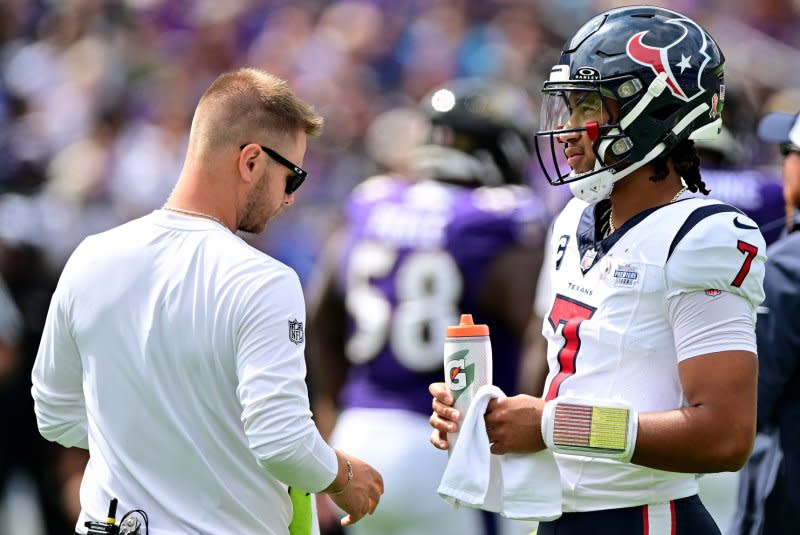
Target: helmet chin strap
{"type": "Point", "coordinates": [591, 190]}
{"type": "Point", "coordinates": [598, 186]}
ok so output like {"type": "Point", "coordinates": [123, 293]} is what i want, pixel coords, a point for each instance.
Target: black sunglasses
{"type": "Point", "coordinates": [293, 181]}
{"type": "Point", "coordinates": [788, 148]}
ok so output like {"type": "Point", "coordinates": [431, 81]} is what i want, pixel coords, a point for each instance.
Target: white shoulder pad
{"type": "Point", "coordinates": [722, 251]}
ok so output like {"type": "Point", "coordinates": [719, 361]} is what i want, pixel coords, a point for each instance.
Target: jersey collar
{"type": "Point", "coordinates": [592, 246]}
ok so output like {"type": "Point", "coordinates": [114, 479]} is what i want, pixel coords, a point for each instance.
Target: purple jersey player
{"type": "Point", "coordinates": [416, 256]}
{"type": "Point", "coordinates": [463, 236]}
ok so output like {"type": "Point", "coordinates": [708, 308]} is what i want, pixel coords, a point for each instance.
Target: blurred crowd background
{"type": "Point", "coordinates": [96, 98]}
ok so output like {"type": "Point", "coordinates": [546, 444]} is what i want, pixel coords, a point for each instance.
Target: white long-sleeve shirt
{"type": "Point", "coordinates": [174, 352]}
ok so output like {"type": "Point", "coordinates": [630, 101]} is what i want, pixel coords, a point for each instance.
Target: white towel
{"type": "Point", "coordinates": [521, 487]}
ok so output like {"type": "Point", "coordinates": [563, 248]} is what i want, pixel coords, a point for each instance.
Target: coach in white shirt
{"type": "Point", "coordinates": [174, 351]}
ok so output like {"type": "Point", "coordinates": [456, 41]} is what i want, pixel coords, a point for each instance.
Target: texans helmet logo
{"type": "Point", "coordinates": [682, 62]}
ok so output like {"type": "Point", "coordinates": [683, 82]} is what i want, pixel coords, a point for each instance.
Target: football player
{"type": "Point", "coordinates": [650, 325]}
{"type": "Point", "coordinates": [459, 234]}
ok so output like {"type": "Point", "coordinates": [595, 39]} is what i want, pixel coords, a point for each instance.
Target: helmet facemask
{"type": "Point", "coordinates": [571, 113]}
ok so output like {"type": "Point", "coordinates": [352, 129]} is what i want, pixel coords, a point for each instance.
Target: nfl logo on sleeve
{"type": "Point", "coordinates": [296, 331]}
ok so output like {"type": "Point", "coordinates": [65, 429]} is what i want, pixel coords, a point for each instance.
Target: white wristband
{"type": "Point", "coordinates": [590, 427]}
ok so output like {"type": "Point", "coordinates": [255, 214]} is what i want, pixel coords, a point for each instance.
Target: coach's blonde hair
{"type": "Point", "coordinates": [250, 106]}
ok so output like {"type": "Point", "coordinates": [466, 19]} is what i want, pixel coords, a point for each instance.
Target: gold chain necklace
{"type": "Point", "coordinates": [612, 229]}
{"type": "Point", "coordinates": [193, 213]}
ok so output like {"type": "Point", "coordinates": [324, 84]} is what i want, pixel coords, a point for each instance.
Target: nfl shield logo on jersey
{"type": "Point", "coordinates": [587, 260]}
{"type": "Point", "coordinates": [296, 333]}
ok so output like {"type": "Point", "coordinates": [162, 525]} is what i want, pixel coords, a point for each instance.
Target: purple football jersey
{"type": "Point", "coordinates": [757, 193]}
{"type": "Point", "coordinates": [415, 257]}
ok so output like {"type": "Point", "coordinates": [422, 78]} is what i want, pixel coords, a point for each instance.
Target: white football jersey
{"type": "Point", "coordinates": [608, 331]}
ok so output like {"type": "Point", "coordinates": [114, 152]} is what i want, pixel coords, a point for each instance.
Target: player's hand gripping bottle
{"type": "Point", "coordinates": [467, 364]}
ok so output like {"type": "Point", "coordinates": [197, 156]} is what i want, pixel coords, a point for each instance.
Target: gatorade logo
{"type": "Point", "coordinates": [459, 374]}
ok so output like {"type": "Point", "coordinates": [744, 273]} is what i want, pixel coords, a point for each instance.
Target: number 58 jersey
{"type": "Point", "coordinates": [608, 329]}
{"type": "Point", "coordinates": [416, 256]}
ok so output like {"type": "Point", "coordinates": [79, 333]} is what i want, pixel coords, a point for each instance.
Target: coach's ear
{"type": "Point", "coordinates": [248, 162]}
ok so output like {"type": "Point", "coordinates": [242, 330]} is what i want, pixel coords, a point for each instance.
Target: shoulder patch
{"type": "Point", "coordinates": [296, 332]}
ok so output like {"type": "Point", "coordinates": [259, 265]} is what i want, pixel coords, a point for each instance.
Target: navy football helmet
{"type": "Point", "coordinates": [481, 132]}
{"type": "Point", "coordinates": [637, 80]}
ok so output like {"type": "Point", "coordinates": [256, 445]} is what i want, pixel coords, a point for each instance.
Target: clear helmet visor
{"type": "Point", "coordinates": [575, 130]}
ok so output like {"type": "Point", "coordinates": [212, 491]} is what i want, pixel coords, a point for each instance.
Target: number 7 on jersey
{"type": "Point", "coordinates": [568, 313]}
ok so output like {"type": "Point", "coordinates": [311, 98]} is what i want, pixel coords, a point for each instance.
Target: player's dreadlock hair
{"type": "Point", "coordinates": [687, 165]}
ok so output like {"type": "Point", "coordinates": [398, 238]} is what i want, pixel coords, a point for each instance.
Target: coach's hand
{"type": "Point", "coordinates": [357, 496]}
{"type": "Point", "coordinates": [444, 418]}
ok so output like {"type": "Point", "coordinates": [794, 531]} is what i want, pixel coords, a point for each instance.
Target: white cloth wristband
{"type": "Point", "coordinates": [590, 427]}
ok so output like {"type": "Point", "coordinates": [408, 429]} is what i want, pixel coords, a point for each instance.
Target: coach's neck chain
{"type": "Point", "coordinates": [612, 229]}
{"type": "Point", "coordinates": [193, 213]}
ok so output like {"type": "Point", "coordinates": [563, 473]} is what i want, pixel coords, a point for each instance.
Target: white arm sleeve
{"type": "Point", "coordinates": [58, 377]}
{"type": "Point", "coordinates": [272, 389]}
{"type": "Point", "coordinates": [704, 323]}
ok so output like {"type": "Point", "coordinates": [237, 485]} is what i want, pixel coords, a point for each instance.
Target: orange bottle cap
{"type": "Point", "coordinates": [467, 327]}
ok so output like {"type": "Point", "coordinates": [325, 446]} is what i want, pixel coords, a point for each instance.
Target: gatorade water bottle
{"type": "Point", "coordinates": [467, 364]}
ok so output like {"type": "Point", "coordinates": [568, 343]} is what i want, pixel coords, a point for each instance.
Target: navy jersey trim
{"type": "Point", "coordinates": [684, 516]}
{"type": "Point", "coordinates": [590, 232]}
{"type": "Point", "coordinates": [695, 217]}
